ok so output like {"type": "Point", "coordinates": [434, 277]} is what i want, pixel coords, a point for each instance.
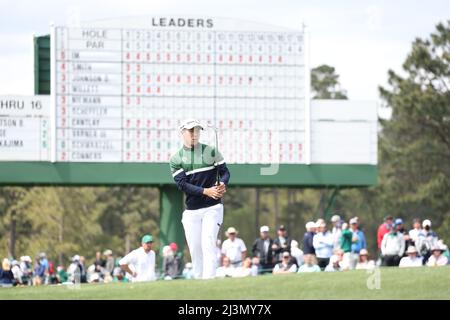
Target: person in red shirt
{"type": "Point", "coordinates": [383, 229]}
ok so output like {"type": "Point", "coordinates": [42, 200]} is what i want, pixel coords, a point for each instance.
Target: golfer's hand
{"type": "Point", "coordinates": [222, 188]}
{"type": "Point", "coordinates": [213, 192]}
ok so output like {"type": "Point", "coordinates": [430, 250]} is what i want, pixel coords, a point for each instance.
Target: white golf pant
{"type": "Point", "coordinates": [201, 228]}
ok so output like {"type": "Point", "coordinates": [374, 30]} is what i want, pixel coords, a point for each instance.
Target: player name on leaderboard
{"type": "Point", "coordinates": [25, 128]}
{"type": "Point", "coordinates": [121, 93]}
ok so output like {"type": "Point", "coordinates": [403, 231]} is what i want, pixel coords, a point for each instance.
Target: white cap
{"type": "Point", "coordinates": [353, 220]}
{"type": "Point", "coordinates": [190, 123]}
{"type": "Point", "coordinates": [231, 230]}
{"type": "Point", "coordinates": [310, 224]}
{"type": "Point", "coordinates": [76, 258]}
{"type": "Point", "coordinates": [426, 222]}
{"type": "Point", "coordinates": [264, 229]}
{"type": "Point", "coordinates": [335, 218]}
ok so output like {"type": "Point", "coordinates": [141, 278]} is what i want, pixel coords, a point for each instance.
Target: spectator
{"type": "Point", "coordinates": [426, 240]}
{"type": "Point", "coordinates": [310, 264]}
{"type": "Point", "coordinates": [364, 262]}
{"type": "Point", "coordinates": [392, 248]}
{"type": "Point", "coordinates": [188, 273]}
{"type": "Point", "coordinates": [140, 263]}
{"type": "Point", "coordinates": [336, 231]}
{"type": "Point", "coordinates": [308, 247]}
{"type": "Point", "coordinates": [383, 229]}
{"type": "Point", "coordinates": [323, 244]}
{"type": "Point", "coordinates": [109, 263]}
{"type": "Point", "coordinates": [27, 271]}
{"type": "Point", "coordinates": [346, 245]}
{"type": "Point", "coordinates": [245, 270]}
{"type": "Point", "coordinates": [296, 253]}
{"type": "Point", "coordinates": [286, 265]}
{"type": "Point", "coordinates": [333, 265]}
{"type": "Point", "coordinates": [83, 273]}
{"type": "Point", "coordinates": [218, 252]}
{"type": "Point", "coordinates": [226, 270]}
{"type": "Point", "coordinates": [343, 263]}
{"type": "Point", "coordinates": [74, 270]}
{"type": "Point", "coordinates": [401, 230]}
{"type": "Point", "coordinates": [6, 275]}
{"type": "Point", "coordinates": [281, 243]}
{"type": "Point", "coordinates": [437, 258]}
{"type": "Point", "coordinates": [414, 232]}
{"type": "Point", "coordinates": [262, 248]}
{"type": "Point", "coordinates": [358, 242]}
{"type": "Point", "coordinates": [99, 263]}
{"type": "Point", "coordinates": [256, 267]}
{"type": "Point", "coordinates": [18, 274]}
{"type": "Point", "coordinates": [61, 274]}
{"type": "Point", "coordinates": [39, 272]}
{"type": "Point", "coordinates": [172, 262]}
{"type": "Point", "coordinates": [412, 260]}
{"type": "Point", "coordinates": [234, 248]}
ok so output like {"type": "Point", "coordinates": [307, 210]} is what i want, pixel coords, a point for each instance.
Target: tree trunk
{"type": "Point", "coordinates": [61, 238]}
{"type": "Point", "coordinates": [275, 204]}
{"type": "Point", "coordinates": [257, 210]}
{"type": "Point", "coordinates": [12, 235]}
{"type": "Point", "coordinates": [127, 243]}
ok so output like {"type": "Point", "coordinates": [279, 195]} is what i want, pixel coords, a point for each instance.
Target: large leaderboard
{"type": "Point", "coordinates": [121, 88]}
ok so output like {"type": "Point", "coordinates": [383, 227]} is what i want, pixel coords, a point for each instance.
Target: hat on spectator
{"type": "Point", "coordinates": [264, 229]}
{"type": "Point", "coordinates": [282, 227]}
{"type": "Point", "coordinates": [286, 254]}
{"type": "Point", "coordinates": [363, 252]}
{"type": "Point", "coordinates": [147, 238]}
{"type": "Point", "coordinates": [231, 230]}
{"type": "Point", "coordinates": [335, 218]}
{"type": "Point", "coordinates": [76, 258]}
{"type": "Point", "coordinates": [398, 221]}
{"type": "Point", "coordinates": [411, 249]}
{"type": "Point", "coordinates": [353, 221]}
{"type": "Point", "coordinates": [173, 246]}
{"type": "Point", "coordinates": [107, 252]}
{"type": "Point", "coordinates": [426, 222]}
{"type": "Point", "coordinates": [438, 247]}
{"type": "Point", "coordinates": [310, 224]}
{"type": "Point", "coordinates": [25, 259]}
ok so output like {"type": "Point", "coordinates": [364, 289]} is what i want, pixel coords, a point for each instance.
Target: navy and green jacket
{"type": "Point", "coordinates": [196, 168]}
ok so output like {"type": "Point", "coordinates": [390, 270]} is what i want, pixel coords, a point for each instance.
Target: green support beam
{"type": "Point", "coordinates": [158, 174]}
{"type": "Point", "coordinates": [171, 209]}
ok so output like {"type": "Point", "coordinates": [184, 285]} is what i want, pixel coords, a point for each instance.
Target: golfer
{"type": "Point", "coordinates": [195, 168]}
{"type": "Point", "coordinates": [140, 263]}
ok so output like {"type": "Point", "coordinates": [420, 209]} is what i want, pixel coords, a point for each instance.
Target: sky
{"type": "Point", "coordinates": [361, 39]}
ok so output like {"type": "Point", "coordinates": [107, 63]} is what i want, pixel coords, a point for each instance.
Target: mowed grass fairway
{"type": "Point", "coordinates": [395, 283]}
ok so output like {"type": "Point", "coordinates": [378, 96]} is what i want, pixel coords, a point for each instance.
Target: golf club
{"type": "Point", "coordinates": [216, 148]}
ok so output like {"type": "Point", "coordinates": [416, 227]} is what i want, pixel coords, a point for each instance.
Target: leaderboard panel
{"type": "Point", "coordinates": [25, 128]}
{"type": "Point", "coordinates": [121, 93]}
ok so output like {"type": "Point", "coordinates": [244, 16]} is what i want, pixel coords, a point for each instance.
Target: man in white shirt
{"type": "Point", "coordinates": [140, 263]}
{"type": "Point", "coordinates": [234, 248]}
{"type": "Point", "coordinates": [323, 244]}
{"type": "Point", "coordinates": [411, 260]}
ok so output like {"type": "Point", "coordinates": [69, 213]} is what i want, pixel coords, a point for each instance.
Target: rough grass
{"type": "Point", "coordinates": [395, 283]}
